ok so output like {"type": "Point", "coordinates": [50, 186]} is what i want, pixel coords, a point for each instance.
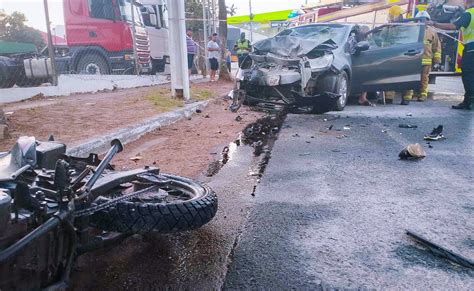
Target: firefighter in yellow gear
{"type": "Point", "coordinates": [431, 55]}
{"type": "Point", "coordinates": [395, 15]}
{"type": "Point", "coordinates": [242, 48]}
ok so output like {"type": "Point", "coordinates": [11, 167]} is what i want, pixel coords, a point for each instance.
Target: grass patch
{"type": "Point", "coordinates": [200, 94]}
{"type": "Point", "coordinates": [162, 99]}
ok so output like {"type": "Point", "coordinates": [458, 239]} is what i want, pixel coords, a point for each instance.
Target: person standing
{"type": "Point", "coordinates": [395, 15]}
{"type": "Point", "coordinates": [431, 54]}
{"type": "Point", "coordinates": [242, 48]}
{"type": "Point", "coordinates": [466, 24]}
{"type": "Point", "coordinates": [213, 55]}
{"type": "Point", "coordinates": [192, 49]}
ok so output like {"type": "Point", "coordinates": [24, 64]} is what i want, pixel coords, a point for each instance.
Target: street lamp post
{"type": "Point", "coordinates": [251, 18]}
{"type": "Point", "coordinates": [54, 78]}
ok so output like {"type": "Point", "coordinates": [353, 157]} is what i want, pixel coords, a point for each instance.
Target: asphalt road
{"type": "Point", "coordinates": [332, 208]}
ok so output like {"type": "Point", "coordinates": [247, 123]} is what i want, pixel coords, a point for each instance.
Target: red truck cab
{"type": "Point", "coordinates": [101, 39]}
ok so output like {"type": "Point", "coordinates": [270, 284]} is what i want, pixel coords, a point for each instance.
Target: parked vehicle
{"type": "Point", "coordinates": [54, 207]}
{"type": "Point", "coordinates": [319, 66]}
{"type": "Point", "coordinates": [155, 19]}
{"type": "Point", "coordinates": [14, 57]}
{"type": "Point", "coordinates": [101, 38]}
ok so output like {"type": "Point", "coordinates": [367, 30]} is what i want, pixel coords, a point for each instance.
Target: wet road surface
{"type": "Point", "coordinates": [335, 201]}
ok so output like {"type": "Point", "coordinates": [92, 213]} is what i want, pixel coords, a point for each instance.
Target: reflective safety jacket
{"type": "Point", "coordinates": [432, 50]}
{"type": "Point", "coordinates": [468, 33]}
{"type": "Point", "coordinates": [242, 46]}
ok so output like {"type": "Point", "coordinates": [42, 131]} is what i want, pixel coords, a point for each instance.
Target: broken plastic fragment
{"type": "Point", "coordinates": [405, 125]}
{"type": "Point", "coordinates": [412, 152]}
{"type": "Point", "coordinates": [136, 158]}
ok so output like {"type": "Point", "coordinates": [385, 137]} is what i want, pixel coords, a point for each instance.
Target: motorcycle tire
{"type": "Point", "coordinates": [145, 215]}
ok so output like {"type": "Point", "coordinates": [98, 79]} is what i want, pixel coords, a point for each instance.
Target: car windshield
{"type": "Point", "coordinates": [318, 33]}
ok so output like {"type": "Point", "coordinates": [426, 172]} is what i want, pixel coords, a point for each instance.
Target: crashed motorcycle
{"type": "Point", "coordinates": [54, 207]}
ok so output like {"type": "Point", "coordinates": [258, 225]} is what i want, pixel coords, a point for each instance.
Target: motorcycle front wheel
{"type": "Point", "coordinates": [178, 205]}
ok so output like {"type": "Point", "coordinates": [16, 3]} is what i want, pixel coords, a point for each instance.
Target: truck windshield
{"type": "Point", "coordinates": [126, 12]}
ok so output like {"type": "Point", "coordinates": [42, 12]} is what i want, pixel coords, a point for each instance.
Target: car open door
{"type": "Point", "coordinates": [393, 60]}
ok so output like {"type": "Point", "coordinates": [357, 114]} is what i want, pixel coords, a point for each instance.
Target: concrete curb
{"type": "Point", "coordinates": [126, 135]}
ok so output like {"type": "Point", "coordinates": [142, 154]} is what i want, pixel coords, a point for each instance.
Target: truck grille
{"type": "Point", "coordinates": [143, 48]}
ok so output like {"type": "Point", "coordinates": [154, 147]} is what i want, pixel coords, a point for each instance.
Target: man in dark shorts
{"type": "Point", "coordinates": [192, 49]}
{"type": "Point", "coordinates": [213, 55]}
{"type": "Point", "coordinates": [466, 24]}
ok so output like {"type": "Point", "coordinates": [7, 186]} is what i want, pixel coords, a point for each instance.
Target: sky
{"type": "Point", "coordinates": [34, 10]}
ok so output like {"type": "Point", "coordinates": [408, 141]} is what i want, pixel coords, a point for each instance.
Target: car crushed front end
{"type": "Point", "coordinates": [292, 72]}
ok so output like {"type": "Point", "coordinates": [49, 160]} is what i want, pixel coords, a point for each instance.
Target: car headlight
{"type": "Point", "coordinates": [322, 62]}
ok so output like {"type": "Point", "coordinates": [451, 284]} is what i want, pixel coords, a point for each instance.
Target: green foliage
{"type": "Point", "coordinates": [13, 28]}
{"type": "Point", "coordinates": [194, 10]}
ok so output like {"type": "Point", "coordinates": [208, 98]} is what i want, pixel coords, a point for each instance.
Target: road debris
{"type": "Point", "coordinates": [407, 125]}
{"type": "Point", "coordinates": [436, 134]}
{"type": "Point", "coordinates": [409, 114]}
{"type": "Point", "coordinates": [441, 251]}
{"type": "Point", "coordinates": [206, 116]}
{"type": "Point", "coordinates": [341, 136]}
{"type": "Point", "coordinates": [346, 127]}
{"type": "Point", "coordinates": [262, 133]}
{"type": "Point", "coordinates": [412, 152]}
{"type": "Point", "coordinates": [238, 118]}
{"type": "Point", "coordinates": [304, 154]}
{"type": "Point", "coordinates": [215, 166]}
{"type": "Point", "coordinates": [330, 127]}
{"type": "Point", "coordinates": [198, 110]}
{"type": "Point", "coordinates": [136, 158]}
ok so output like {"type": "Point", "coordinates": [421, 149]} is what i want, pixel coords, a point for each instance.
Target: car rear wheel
{"type": "Point", "coordinates": [342, 88]}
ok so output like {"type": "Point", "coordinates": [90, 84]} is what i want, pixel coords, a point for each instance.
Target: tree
{"type": "Point", "coordinates": [13, 28]}
{"type": "Point", "coordinates": [224, 73]}
{"type": "Point", "coordinates": [194, 10]}
{"type": "Point", "coordinates": [232, 10]}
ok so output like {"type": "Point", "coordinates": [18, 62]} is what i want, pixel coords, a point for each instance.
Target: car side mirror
{"type": "Point", "coordinates": [362, 46]}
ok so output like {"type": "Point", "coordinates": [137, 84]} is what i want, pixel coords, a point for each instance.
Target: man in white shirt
{"type": "Point", "coordinates": [213, 55]}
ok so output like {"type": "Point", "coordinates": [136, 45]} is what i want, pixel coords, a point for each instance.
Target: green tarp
{"type": "Point", "coordinates": [8, 48]}
{"type": "Point", "coordinates": [260, 18]}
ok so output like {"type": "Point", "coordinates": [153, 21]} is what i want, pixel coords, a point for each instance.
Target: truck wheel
{"type": "Point", "coordinates": [158, 66]}
{"type": "Point", "coordinates": [342, 88]}
{"type": "Point", "coordinates": [92, 65]}
{"type": "Point", "coordinates": [180, 205]}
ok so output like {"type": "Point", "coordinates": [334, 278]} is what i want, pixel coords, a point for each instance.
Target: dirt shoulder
{"type": "Point", "coordinates": [187, 147]}
{"type": "Point", "coordinates": [77, 118]}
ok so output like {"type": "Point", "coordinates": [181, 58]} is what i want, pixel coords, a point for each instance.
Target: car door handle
{"type": "Point", "coordinates": [92, 34]}
{"type": "Point", "coordinates": [412, 52]}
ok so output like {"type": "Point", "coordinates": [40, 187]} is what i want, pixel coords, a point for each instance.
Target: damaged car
{"type": "Point", "coordinates": [317, 67]}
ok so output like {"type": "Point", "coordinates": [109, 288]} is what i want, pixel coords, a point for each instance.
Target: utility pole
{"type": "Point", "coordinates": [204, 15]}
{"type": "Point", "coordinates": [137, 66]}
{"type": "Point", "coordinates": [178, 53]}
{"type": "Point", "coordinates": [54, 78]}
{"type": "Point", "coordinates": [214, 23]}
{"type": "Point", "coordinates": [251, 18]}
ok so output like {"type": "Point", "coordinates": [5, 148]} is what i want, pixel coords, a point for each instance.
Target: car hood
{"type": "Point", "coordinates": [292, 47]}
